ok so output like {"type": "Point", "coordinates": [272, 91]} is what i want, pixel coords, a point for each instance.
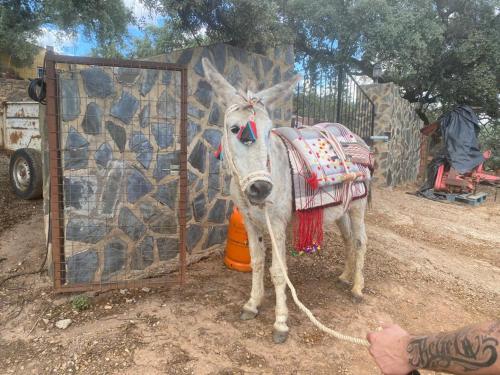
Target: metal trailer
{"type": "Point", "coordinates": [20, 137]}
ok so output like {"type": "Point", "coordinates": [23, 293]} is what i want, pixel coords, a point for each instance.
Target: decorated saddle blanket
{"type": "Point", "coordinates": [322, 157]}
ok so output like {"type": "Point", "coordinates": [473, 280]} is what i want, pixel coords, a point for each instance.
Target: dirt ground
{"type": "Point", "coordinates": [430, 266]}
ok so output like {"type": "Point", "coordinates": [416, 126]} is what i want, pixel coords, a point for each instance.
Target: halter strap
{"type": "Point", "coordinates": [259, 175]}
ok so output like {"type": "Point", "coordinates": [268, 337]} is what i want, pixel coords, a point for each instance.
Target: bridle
{"type": "Point", "coordinates": [244, 182]}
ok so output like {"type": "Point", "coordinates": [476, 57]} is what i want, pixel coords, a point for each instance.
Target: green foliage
{"type": "Point", "coordinates": [489, 138]}
{"type": "Point", "coordinates": [21, 21]}
{"type": "Point", "coordinates": [248, 24]}
{"type": "Point", "coordinates": [441, 52]}
{"type": "Point", "coordinates": [80, 303]}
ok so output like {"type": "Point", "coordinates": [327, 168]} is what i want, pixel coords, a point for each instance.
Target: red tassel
{"type": "Point", "coordinates": [308, 228]}
{"type": "Point", "coordinates": [313, 181]}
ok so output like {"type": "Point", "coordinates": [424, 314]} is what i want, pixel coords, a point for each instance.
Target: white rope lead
{"type": "Point", "coordinates": [300, 305]}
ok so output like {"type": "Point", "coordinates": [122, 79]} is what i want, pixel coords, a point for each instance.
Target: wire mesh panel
{"type": "Point", "coordinates": [331, 95]}
{"type": "Point", "coordinates": [118, 174]}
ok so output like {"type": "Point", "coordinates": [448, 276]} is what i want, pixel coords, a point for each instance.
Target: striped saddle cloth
{"type": "Point", "coordinates": [329, 164]}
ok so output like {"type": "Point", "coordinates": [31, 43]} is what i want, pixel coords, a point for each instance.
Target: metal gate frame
{"type": "Point", "coordinates": [56, 219]}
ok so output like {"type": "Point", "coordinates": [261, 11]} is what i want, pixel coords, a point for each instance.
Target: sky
{"type": "Point", "coordinates": [78, 45]}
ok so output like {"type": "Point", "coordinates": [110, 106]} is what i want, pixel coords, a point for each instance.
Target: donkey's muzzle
{"type": "Point", "coordinates": [258, 191]}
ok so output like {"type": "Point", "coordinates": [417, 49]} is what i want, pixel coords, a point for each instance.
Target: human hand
{"type": "Point", "coordinates": [388, 348]}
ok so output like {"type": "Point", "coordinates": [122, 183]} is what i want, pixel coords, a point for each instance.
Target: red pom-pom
{"type": "Point", "coordinates": [313, 181]}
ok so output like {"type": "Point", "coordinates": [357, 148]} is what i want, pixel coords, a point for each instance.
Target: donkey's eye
{"type": "Point", "coordinates": [234, 129]}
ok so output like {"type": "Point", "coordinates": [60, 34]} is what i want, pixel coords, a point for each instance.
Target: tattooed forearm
{"type": "Point", "coordinates": [467, 350]}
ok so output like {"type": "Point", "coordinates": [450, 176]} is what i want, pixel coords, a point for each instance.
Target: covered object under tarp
{"type": "Point", "coordinates": [460, 128]}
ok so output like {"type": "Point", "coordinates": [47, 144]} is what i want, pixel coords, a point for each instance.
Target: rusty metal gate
{"type": "Point", "coordinates": [118, 171]}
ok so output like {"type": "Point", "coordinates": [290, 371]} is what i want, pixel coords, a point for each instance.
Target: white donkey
{"type": "Point", "coordinates": [260, 176]}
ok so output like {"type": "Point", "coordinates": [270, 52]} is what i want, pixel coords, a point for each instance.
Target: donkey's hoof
{"type": "Point", "coordinates": [279, 337]}
{"type": "Point", "coordinates": [248, 315]}
{"type": "Point", "coordinates": [341, 283]}
{"type": "Point", "coordinates": [357, 297]}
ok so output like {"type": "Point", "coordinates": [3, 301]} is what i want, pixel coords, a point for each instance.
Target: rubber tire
{"type": "Point", "coordinates": [34, 161]}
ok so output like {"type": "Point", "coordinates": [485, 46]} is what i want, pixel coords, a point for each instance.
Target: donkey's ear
{"type": "Point", "coordinates": [222, 89]}
{"type": "Point", "coordinates": [275, 95]}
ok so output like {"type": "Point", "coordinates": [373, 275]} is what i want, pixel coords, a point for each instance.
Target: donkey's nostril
{"type": "Point", "coordinates": [259, 190]}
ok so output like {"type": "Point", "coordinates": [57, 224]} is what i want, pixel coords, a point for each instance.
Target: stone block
{"type": "Point", "coordinates": [112, 187]}
{"type": "Point", "coordinates": [165, 164]}
{"type": "Point", "coordinates": [168, 106]}
{"type": "Point", "coordinates": [164, 134]}
{"type": "Point", "coordinates": [193, 128]}
{"type": "Point", "coordinates": [140, 144]}
{"type": "Point", "coordinates": [213, 137]}
{"type": "Point", "coordinates": [115, 257]}
{"type": "Point", "coordinates": [130, 224]}
{"type": "Point", "coordinates": [144, 116]}
{"type": "Point", "coordinates": [87, 230]}
{"type": "Point", "coordinates": [103, 155]}
{"type": "Point", "coordinates": [148, 81]}
{"type": "Point", "coordinates": [215, 115]}
{"type": "Point", "coordinates": [137, 185]}
{"type": "Point", "coordinates": [194, 235]}
{"type": "Point", "coordinates": [81, 267]}
{"type": "Point", "coordinates": [125, 108]}
{"type": "Point", "coordinates": [218, 212]}
{"type": "Point", "coordinates": [217, 235]}
{"type": "Point", "coordinates": [70, 98]}
{"type": "Point", "coordinates": [276, 75]}
{"type": "Point", "coordinates": [195, 111]}
{"type": "Point", "coordinates": [143, 255]}
{"type": "Point", "coordinates": [199, 207]}
{"type": "Point", "coordinates": [219, 52]}
{"type": "Point", "coordinates": [118, 134]}
{"type": "Point", "coordinates": [76, 152]}
{"type": "Point", "coordinates": [80, 192]}
{"type": "Point", "coordinates": [267, 64]}
{"type": "Point", "coordinates": [167, 194]}
{"type": "Point", "coordinates": [230, 208]}
{"type": "Point", "coordinates": [203, 93]}
{"type": "Point", "coordinates": [185, 57]}
{"type": "Point", "coordinates": [168, 248]}
{"type": "Point", "coordinates": [92, 121]}
{"type": "Point", "coordinates": [127, 76]}
{"type": "Point", "coordinates": [197, 157]}
{"type": "Point", "coordinates": [235, 77]}
{"type": "Point", "coordinates": [97, 82]}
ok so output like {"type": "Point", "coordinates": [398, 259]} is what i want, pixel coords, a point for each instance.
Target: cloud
{"type": "Point", "coordinates": [60, 40]}
{"type": "Point", "coordinates": [142, 13]}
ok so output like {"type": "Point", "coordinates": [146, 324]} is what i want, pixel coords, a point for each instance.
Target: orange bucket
{"type": "Point", "coordinates": [237, 252]}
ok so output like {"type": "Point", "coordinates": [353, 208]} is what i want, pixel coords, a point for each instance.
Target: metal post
{"type": "Point", "coordinates": [339, 94]}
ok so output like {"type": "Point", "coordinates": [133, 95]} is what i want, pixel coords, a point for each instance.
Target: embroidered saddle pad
{"type": "Point", "coordinates": [322, 157]}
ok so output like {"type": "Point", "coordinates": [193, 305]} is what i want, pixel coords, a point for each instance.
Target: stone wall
{"type": "Point", "coordinates": [119, 134]}
{"type": "Point", "coordinates": [397, 160]}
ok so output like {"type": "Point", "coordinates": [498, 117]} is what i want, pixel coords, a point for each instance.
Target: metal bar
{"type": "Point", "coordinates": [339, 95]}
{"type": "Point", "coordinates": [127, 284]}
{"type": "Point", "coordinates": [56, 209]}
{"type": "Point", "coordinates": [64, 59]}
{"type": "Point", "coordinates": [183, 183]}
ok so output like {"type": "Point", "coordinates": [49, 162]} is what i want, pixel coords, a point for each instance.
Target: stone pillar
{"type": "Point", "coordinates": [397, 161]}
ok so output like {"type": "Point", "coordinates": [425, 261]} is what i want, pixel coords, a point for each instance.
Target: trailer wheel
{"type": "Point", "coordinates": [25, 172]}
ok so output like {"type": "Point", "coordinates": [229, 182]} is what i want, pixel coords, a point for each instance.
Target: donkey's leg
{"type": "Point", "coordinates": [359, 239]}
{"type": "Point", "coordinates": [344, 224]}
{"type": "Point", "coordinates": [280, 332]}
{"type": "Point", "coordinates": [258, 256]}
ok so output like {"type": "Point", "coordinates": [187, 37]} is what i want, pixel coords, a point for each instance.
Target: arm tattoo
{"type": "Point", "coordinates": [466, 350]}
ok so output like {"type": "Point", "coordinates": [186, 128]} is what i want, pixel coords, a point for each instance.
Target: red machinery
{"type": "Point", "coordinates": [449, 180]}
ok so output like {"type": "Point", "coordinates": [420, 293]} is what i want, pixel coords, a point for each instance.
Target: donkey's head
{"type": "Point", "coordinates": [247, 127]}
